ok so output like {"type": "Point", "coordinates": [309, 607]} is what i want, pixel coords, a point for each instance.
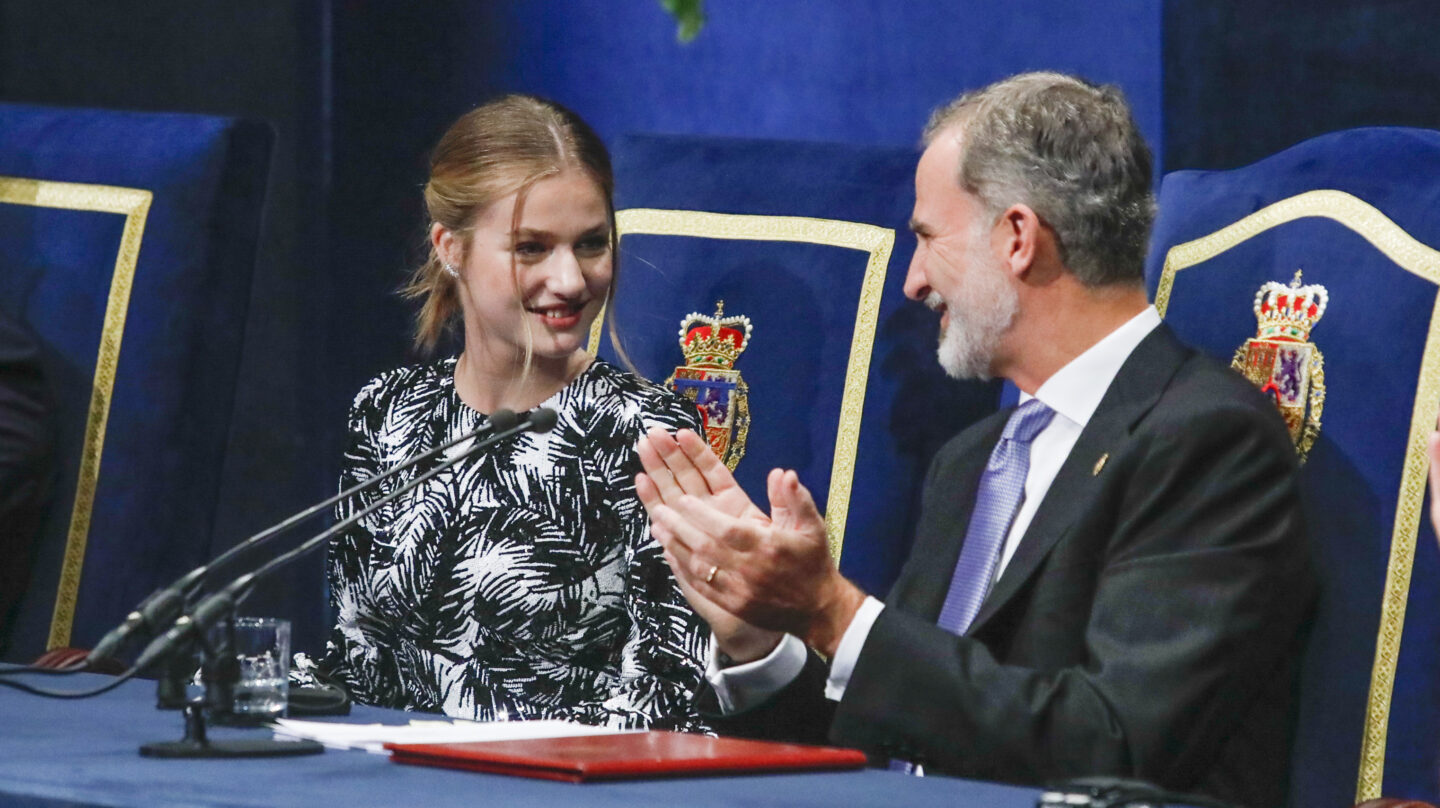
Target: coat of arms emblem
{"type": "Point", "coordinates": [1281, 360]}
{"type": "Point", "coordinates": [711, 344]}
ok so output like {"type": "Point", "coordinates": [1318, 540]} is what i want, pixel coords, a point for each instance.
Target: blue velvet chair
{"type": "Point", "coordinates": [1358, 369]}
{"type": "Point", "coordinates": [127, 243]}
{"type": "Point", "coordinates": [808, 242]}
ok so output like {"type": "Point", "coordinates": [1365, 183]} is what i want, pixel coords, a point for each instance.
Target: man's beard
{"type": "Point", "coordinates": [977, 322]}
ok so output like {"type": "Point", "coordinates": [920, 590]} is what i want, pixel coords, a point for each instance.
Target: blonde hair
{"type": "Point", "coordinates": [500, 148]}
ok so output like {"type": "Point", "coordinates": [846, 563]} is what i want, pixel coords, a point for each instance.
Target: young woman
{"type": "Point", "coordinates": [521, 583]}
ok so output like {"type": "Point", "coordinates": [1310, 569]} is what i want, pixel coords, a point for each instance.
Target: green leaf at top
{"type": "Point", "coordinates": [689, 14]}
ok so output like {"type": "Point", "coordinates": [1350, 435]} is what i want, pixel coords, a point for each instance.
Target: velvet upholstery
{"type": "Point", "coordinates": [1363, 481]}
{"type": "Point", "coordinates": [806, 306]}
{"type": "Point", "coordinates": [169, 410]}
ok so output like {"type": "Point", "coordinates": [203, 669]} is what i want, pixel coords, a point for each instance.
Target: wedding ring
{"type": "Point", "coordinates": [710, 577]}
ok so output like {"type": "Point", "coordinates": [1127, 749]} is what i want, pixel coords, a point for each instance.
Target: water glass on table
{"type": "Point", "coordinates": [262, 649]}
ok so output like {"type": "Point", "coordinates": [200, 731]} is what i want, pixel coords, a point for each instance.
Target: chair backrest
{"type": "Point", "coordinates": [127, 243]}
{"type": "Point", "coordinates": [1357, 370]}
{"type": "Point", "coordinates": [842, 382]}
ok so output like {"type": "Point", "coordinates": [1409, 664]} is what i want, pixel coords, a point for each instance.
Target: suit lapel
{"type": "Point", "coordinates": [1134, 391]}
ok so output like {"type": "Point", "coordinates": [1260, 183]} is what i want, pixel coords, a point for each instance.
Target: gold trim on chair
{"type": "Point", "coordinates": [878, 242]}
{"type": "Point", "coordinates": [134, 205]}
{"type": "Point", "coordinates": [1418, 259]}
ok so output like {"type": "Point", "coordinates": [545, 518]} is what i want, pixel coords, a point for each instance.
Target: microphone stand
{"type": "Point", "coordinates": [220, 670]}
{"type": "Point", "coordinates": [164, 605]}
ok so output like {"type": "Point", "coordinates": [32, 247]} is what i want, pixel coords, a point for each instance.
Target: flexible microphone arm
{"type": "Point", "coordinates": [164, 605]}
{"type": "Point", "coordinates": [214, 607]}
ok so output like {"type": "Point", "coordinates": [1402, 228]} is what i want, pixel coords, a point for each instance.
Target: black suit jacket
{"type": "Point", "coordinates": [1146, 626]}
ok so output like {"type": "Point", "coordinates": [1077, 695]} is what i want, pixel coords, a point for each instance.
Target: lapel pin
{"type": "Point", "coordinates": [1099, 464]}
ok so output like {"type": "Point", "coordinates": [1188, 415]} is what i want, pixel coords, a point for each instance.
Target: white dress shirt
{"type": "Point", "coordinates": [1073, 392]}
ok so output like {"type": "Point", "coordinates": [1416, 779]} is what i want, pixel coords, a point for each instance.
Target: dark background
{"type": "Point", "coordinates": [357, 91]}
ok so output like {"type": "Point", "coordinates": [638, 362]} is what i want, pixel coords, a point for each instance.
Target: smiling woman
{"type": "Point", "coordinates": [531, 276]}
{"type": "Point", "coordinates": [521, 583]}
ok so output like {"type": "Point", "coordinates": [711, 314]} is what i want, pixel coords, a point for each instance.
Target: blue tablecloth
{"type": "Point", "coordinates": [84, 752]}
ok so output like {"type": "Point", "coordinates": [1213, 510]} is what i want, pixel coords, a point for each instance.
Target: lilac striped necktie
{"type": "Point", "coordinates": [1002, 489]}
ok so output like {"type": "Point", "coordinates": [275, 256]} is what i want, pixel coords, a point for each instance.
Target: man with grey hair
{"type": "Point", "coordinates": [1108, 579]}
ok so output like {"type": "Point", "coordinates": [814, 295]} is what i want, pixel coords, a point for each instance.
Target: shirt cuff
{"type": "Point", "coordinates": [740, 687]}
{"type": "Point", "coordinates": [848, 651]}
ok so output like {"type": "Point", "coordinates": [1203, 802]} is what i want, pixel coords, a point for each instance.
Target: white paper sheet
{"type": "Point", "coordinates": [373, 737]}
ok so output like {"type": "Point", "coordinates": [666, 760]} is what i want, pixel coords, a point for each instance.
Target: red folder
{"type": "Point", "coordinates": [629, 755]}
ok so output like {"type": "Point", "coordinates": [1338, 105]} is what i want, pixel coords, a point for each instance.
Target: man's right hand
{"type": "Point", "coordinates": [683, 464]}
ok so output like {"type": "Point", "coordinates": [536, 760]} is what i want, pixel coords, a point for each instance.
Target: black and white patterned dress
{"type": "Point", "coordinates": [522, 582]}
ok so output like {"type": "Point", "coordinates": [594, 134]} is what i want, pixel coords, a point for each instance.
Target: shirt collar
{"type": "Point", "coordinates": [1075, 390]}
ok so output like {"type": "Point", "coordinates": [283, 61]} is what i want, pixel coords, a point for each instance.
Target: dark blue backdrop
{"type": "Point", "coordinates": [861, 71]}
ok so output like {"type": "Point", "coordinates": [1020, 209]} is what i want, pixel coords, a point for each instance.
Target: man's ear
{"type": "Point", "coordinates": [1019, 232]}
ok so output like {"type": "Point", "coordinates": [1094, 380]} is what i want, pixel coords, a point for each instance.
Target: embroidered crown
{"type": "Point", "coordinates": [1289, 312]}
{"type": "Point", "coordinates": [713, 341]}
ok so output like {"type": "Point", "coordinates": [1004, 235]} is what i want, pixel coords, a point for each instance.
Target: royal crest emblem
{"type": "Point", "coordinates": [711, 345]}
{"type": "Point", "coordinates": [1281, 360]}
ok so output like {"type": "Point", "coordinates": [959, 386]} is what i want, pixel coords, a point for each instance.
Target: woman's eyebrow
{"type": "Point", "coordinates": [533, 232]}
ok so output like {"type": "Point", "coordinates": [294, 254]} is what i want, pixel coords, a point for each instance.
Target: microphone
{"type": "Point", "coordinates": [1114, 792]}
{"type": "Point", "coordinates": [542, 419]}
{"type": "Point", "coordinates": [164, 606]}
{"type": "Point", "coordinates": [216, 606]}
{"type": "Point", "coordinates": [501, 420]}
